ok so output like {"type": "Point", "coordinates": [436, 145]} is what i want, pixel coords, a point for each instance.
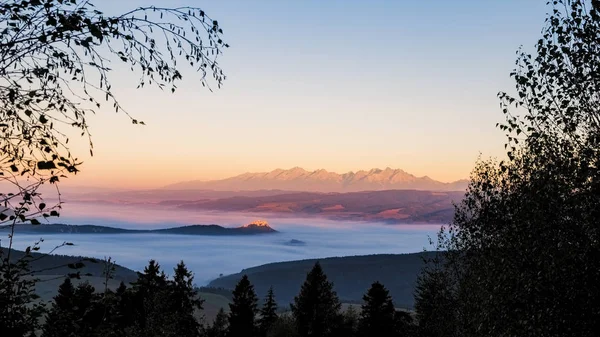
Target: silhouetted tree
{"type": "Point", "coordinates": [347, 323]}
{"type": "Point", "coordinates": [219, 327]}
{"type": "Point", "coordinates": [242, 310]}
{"type": "Point", "coordinates": [435, 303]}
{"type": "Point", "coordinates": [285, 326]}
{"type": "Point", "coordinates": [316, 309]}
{"type": "Point", "coordinates": [56, 61]}
{"type": "Point", "coordinates": [150, 301]}
{"type": "Point", "coordinates": [185, 302]}
{"type": "Point", "coordinates": [268, 313]}
{"type": "Point", "coordinates": [60, 320]}
{"type": "Point", "coordinates": [112, 307]}
{"type": "Point", "coordinates": [405, 326]}
{"type": "Point", "coordinates": [65, 297]}
{"type": "Point", "coordinates": [87, 311]}
{"type": "Point", "coordinates": [377, 314]}
{"type": "Point", "coordinates": [75, 312]}
{"type": "Point", "coordinates": [19, 315]}
{"type": "Point", "coordinates": [523, 245]}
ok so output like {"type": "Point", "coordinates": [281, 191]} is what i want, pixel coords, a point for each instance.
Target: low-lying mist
{"type": "Point", "coordinates": [210, 256]}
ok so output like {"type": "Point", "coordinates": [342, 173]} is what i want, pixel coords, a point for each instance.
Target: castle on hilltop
{"type": "Point", "coordinates": [258, 223]}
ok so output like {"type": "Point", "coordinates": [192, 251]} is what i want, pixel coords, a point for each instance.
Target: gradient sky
{"type": "Point", "coordinates": [340, 85]}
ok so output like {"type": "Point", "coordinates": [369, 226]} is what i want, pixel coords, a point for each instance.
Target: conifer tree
{"type": "Point", "coordinates": [347, 323]}
{"type": "Point", "coordinates": [219, 326]}
{"type": "Point", "coordinates": [184, 302]}
{"type": "Point", "coordinates": [87, 311]}
{"type": "Point", "coordinates": [75, 312]}
{"type": "Point", "coordinates": [60, 320]}
{"type": "Point", "coordinates": [65, 297]}
{"type": "Point", "coordinates": [268, 313]}
{"type": "Point", "coordinates": [149, 303]}
{"type": "Point", "coordinates": [151, 279]}
{"type": "Point", "coordinates": [316, 309]}
{"type": "Point", "coordinates": [405, 326]}
{"type": "Point", "coordinates": [285, 326]}
{"type": "Point", "coordinates": [243, 309]}
{"type": "Point", "coordinates": [121, 310]}
{"type": "Point", "coordinates": [377, 316]}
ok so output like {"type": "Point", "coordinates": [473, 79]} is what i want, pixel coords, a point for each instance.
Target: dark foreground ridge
{"type": "Point", "coordinates": [55, 264]}
{"type": "Point", "coordinates": [350, 275]}
{"type": "Point", "coordinates": [251, 229]}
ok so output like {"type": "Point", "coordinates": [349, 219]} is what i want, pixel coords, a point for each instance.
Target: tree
{"type": "Point", "coordinates": [242, 310]}
{"type": "Point", "coordinates": [19, 316]}
{"type": "Point", "coordinates": [150, 303]}
{"type": "Point", "coordinates": [55, 68]}
{"type": "Point", "coordinates": [56, 60]}
{"type": "Point", "coordinates": [185, 301]}
{"type": "Point", "coordinates": [60, 320]}
{"type": "Point", "coordinates": [268, 313]}
{"type": "Point", "coordinates": [377, 314]}
{"type": "Point", "coordinates": [347, 323]}
{"type": "Point", "coordinates": [316, 309]}
{"type": "Point", "coordinates": [435, 305]}
{"type": "Point", "coordinates": [522, 246]}
{"type": "Point", "coordinates": [219, 326]}
{"type": "Point", "coordinates": [74, 311]}
{"type": "Point", "coordinates": [285, 326]}
{"type": "Point", "coordinates": [404, 323]}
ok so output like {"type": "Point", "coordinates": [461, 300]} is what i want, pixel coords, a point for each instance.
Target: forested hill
{"type": "Point", "coordinates": [93, 229]}
{"type": "Point", "coordinates": [351, 275]}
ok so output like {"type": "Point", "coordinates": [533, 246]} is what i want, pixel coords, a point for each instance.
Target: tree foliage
{"type": "Point", "coordinates": [56, 63]}
{"type": "Point", "coordinates": [55, 68]}
{"type": "Point", "coordinates": [242, 310]}
{"type": "Point", "coordinates": [316, 309]}
{"type": "Point", "coordinates": [435, 303]}
{"type": "Point", "coordinates": [377, 316]}
{"type": "Point", "coordinates": [268, 313]}
{"type": "Point", "coordinates": [219, 327]}
{"type": "Point", "coordinates": [523, 246]}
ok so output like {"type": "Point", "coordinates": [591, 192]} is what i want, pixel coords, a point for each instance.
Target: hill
{"type": "Point", "coordinates": [250, 229]}
{"type": "Point", "coordinates": [352, 276]}
{"type": "Point", "coordinates": [45, 264]}
{"type": "Point", "coordinates": [298, 179]}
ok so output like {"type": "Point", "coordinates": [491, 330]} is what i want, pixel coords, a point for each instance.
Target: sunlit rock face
{"type": "Point", "coordinates": [257, 223]}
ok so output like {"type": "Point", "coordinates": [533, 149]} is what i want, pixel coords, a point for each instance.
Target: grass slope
{"type": "Point", "coordinates": [352, 276]}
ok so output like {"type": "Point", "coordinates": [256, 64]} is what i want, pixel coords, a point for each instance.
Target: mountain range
{"type": "Point", "coordinates": [298, 179]}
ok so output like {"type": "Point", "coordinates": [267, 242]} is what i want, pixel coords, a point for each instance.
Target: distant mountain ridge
{"type": "Point", "coordinates": [250, 229]}
{"type": "Point", "coordinates": [298, 179]}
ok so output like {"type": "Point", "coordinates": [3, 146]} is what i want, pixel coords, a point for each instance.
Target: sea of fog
{"type": "Point", "coordinates": [210, 256]}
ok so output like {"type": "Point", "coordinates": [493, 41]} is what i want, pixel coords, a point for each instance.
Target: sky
{"type": "Point", "coordinates": [339, 85]}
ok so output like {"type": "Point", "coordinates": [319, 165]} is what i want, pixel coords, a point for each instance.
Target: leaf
{"type": "Point", "coordinates": [34, 222]}
{"type": "Point", "coordinates": [46, 165]}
